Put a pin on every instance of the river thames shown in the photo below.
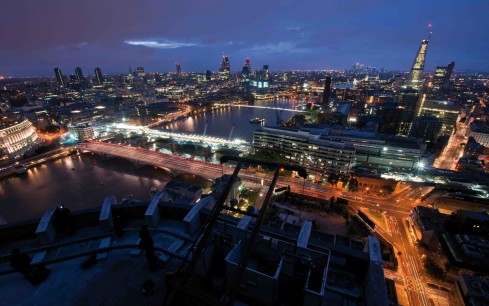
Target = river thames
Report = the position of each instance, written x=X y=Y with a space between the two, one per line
x=78 y=182
x=82 y=182
x=220 y=122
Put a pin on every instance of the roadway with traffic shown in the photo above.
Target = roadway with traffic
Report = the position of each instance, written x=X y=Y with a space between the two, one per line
x=453 y=150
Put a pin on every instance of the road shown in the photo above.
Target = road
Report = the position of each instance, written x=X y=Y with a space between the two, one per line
x=172 y=116
x=453 y=151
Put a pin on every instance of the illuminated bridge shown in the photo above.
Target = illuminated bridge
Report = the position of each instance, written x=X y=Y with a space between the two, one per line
x=169 y=162
x=264 y=107
x=174 y=163
x=214 y=142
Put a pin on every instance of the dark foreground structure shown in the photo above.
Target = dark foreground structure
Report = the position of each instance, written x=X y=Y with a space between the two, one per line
x=204 y=257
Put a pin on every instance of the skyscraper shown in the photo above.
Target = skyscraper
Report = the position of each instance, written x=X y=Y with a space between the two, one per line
x=208 y=75
x=98 y=75
x=426 y=128
x=327 y=90
x=179 y=69
x=407 y=101
x=265 y=73
x=441 y=80
x=59 y=77
x=246 y=71
x=225 y=70
x=79 y=75
x=139 y=71
x=415 y=78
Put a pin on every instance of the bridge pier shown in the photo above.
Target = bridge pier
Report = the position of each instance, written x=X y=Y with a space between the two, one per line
x=106 y=156
x=138 y=165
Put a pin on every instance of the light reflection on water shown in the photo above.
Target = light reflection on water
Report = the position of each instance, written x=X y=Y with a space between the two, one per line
x=91 y=180
x=26 y=197
x=220 y=122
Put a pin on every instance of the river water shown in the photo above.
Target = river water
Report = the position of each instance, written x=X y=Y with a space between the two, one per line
x=78 y=182
x=220 y=122
x=82 y=182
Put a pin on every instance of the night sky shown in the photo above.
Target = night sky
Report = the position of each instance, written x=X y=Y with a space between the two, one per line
x=38 y=35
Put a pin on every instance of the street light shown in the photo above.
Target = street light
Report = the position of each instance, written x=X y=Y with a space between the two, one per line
x=420 y=165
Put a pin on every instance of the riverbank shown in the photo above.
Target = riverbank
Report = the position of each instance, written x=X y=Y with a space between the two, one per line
x=37 y=160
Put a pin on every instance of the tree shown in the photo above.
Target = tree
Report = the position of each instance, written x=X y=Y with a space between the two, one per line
x=388 y=189
x=333 y=179
x=353 y=184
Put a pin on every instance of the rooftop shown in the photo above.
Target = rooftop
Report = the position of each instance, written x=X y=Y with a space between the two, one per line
x=117 y=276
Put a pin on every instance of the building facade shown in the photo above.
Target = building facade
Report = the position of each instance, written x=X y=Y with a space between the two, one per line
x=407 y=101
x=225 y=71
x=480 y=133
x=326 y=151
x=17 y=137
x=82 y=131
x=441 y=79
x=321 y=157
x=99 y=76
x=445 y=111
x=59 y=77
x=415 y=78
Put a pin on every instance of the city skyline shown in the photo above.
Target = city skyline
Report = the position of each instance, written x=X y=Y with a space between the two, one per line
x=285 y=35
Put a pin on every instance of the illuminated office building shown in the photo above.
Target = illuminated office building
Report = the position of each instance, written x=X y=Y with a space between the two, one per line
x=441 y=80
x=406 y=106
x=246 y=71
x=140 y=72
x=59 y=77
x=320 y=156
x=179 y=69
x=327 y=90
x=445 y=111
x=79 y=75
x=225 y=71
x=265 y=73
x=415 y=78
x=98 y=75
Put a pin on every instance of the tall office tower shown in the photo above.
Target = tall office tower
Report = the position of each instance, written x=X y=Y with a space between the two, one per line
x=388 y=114
x=73 y=82
x=140 y=71
x=179 y=69
x=79 y=75
x=225 y=70
x=415 y=78
x=59 y=77
x=407 y=104
x=246 y=71
x=98 y=75
x=441 y=80
x=265 y=73
x=327 y=90
x=208 y=75
x=426 y=128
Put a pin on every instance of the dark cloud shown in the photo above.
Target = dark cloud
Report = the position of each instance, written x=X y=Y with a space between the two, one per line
x=37 y=35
